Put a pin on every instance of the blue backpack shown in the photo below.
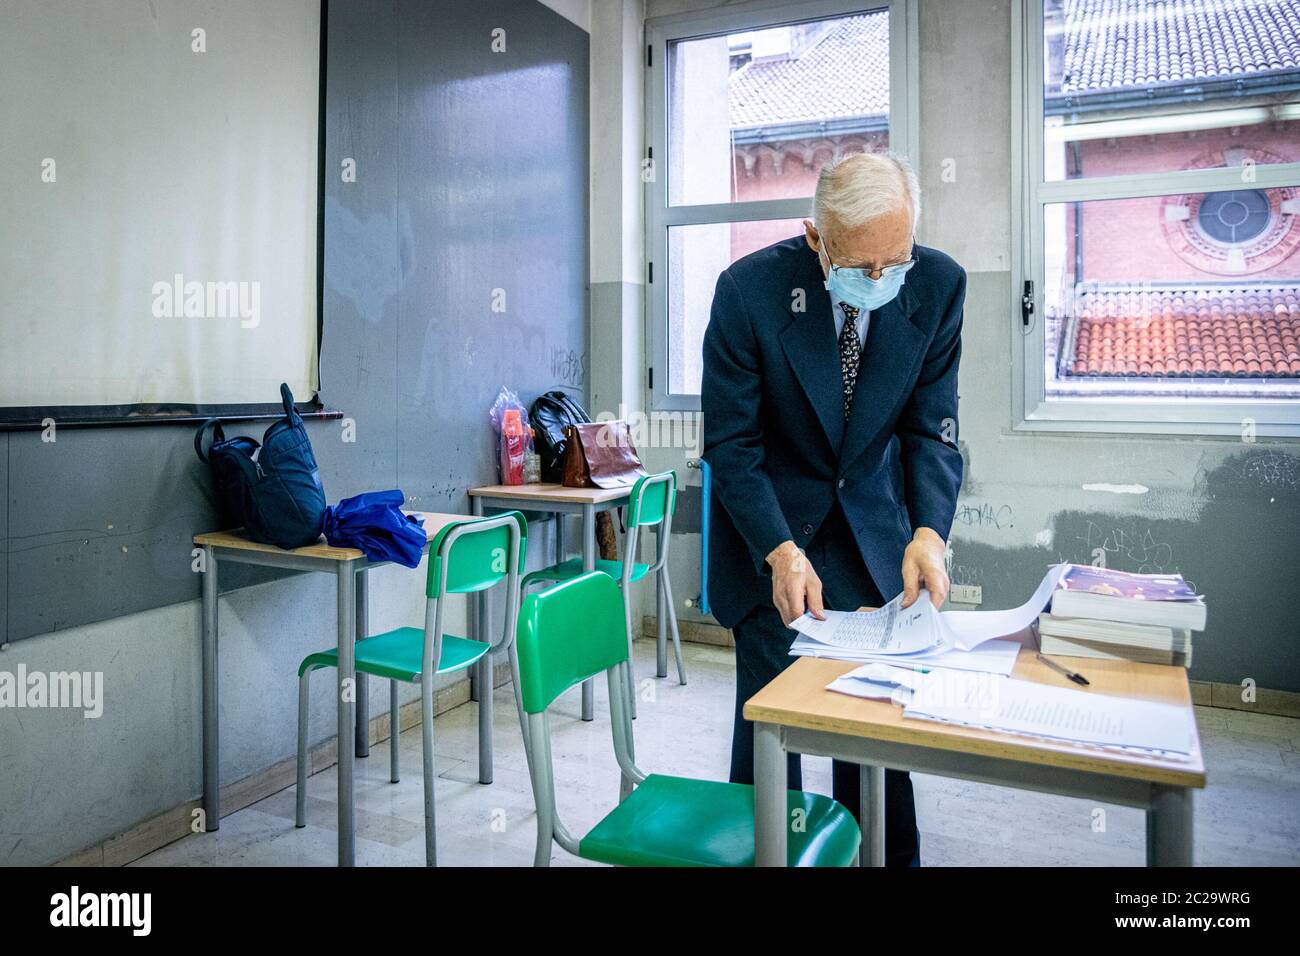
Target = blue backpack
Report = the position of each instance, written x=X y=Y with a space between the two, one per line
x=273 y=491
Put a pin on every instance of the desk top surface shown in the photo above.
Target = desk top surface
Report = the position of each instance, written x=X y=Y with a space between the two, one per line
x=552 y=492
x=799 y=698
x=433 y=523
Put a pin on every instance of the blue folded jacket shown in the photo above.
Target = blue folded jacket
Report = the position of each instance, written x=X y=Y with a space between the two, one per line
x=373 y=522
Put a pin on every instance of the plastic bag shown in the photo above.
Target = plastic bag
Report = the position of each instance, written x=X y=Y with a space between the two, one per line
x=510 y=421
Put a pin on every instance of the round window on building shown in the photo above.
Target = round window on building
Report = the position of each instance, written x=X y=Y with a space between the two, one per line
x=1234 y=217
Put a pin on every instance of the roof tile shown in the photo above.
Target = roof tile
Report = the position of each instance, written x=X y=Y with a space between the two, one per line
x=1126 y=43
x=1208 y=331
x=844 y=74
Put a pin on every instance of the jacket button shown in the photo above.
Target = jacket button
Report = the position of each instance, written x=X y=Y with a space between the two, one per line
x=840 y=483
x=807 y=529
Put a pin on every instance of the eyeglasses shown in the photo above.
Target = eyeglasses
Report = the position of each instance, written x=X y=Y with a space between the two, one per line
x=894 y=268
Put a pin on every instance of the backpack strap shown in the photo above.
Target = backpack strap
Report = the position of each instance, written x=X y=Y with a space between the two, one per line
x=286 y=397
x=218 y=435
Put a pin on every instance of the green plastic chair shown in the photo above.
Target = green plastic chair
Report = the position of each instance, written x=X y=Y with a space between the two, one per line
x=650 y=504
x=464 y=557
x=570 y=633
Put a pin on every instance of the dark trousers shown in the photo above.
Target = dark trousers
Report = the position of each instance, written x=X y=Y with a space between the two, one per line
x=763 y=651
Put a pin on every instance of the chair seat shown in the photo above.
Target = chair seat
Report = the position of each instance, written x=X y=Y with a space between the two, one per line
x=399 y=654
x=572 y=568
x=678 y=821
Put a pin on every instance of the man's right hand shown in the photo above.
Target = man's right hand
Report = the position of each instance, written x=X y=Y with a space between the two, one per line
x=795 y=585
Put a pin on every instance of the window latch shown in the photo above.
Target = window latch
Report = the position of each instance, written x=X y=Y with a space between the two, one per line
x=1027 y=303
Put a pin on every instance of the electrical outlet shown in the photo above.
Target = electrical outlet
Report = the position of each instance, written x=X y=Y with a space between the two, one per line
x=966 y=594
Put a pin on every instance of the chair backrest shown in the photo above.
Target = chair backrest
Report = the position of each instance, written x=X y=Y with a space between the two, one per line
x=566 y=634
x=652 y=499
x=473 y=558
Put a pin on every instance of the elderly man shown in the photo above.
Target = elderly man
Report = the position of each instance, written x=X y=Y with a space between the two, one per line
x=830 y=421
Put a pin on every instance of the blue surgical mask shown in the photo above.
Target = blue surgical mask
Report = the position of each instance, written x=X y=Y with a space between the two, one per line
x=856 y=287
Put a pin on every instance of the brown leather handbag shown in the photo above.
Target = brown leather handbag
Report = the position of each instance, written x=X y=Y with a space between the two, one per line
x=601 y=455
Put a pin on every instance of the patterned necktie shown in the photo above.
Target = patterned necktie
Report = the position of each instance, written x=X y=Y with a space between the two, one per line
x=850 y=352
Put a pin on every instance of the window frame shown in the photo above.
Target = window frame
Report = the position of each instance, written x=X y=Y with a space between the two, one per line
x=1032 y=410
x=660 y=216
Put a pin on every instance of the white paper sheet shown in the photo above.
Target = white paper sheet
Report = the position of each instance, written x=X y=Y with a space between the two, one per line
x=891 y=629
x=967 y=629
x=1056 y=713
x=920 y=629
x=993 y=657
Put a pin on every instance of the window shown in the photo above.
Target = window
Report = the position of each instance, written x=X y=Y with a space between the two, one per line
x=1159 y=249
x=745 y=105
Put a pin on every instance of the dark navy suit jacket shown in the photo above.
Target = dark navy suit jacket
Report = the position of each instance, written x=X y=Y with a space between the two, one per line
x=774 y=429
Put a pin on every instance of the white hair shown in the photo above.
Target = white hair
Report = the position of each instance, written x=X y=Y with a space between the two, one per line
x=857 y=189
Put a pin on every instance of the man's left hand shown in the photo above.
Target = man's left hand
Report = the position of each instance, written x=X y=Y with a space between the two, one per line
x=923 y=567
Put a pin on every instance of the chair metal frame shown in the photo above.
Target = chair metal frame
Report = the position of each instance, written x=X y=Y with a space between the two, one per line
x=434 y=630
x=542 y=767
x=665 y=608
x=663 y=586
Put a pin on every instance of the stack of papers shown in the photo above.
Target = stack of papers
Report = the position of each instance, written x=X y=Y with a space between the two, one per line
x=1058 y=714
x=919 y=636
x=1024 y=708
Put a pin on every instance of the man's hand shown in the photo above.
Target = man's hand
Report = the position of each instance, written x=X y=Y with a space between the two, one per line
x=795 y=585
x=923 y=567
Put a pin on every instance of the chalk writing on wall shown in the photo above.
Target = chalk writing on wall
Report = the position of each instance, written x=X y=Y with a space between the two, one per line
x=569 y=367
x=1272 y=469
x=984 y=515
x=1127 y=549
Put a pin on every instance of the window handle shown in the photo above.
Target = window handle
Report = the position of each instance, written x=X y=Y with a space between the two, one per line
x=1027 y=303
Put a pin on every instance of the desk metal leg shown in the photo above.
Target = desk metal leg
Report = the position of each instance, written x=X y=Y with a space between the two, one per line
x=478 y=623
x=661 y=612
x=363 y=689
x=588 y=564
x=347 y=626
x=769 y=796
x=211 y=713
x=872 y=815
x=1169 y=827
x=480 y=675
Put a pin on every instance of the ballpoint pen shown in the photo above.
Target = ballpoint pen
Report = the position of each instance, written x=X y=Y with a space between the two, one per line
x=1077 y=678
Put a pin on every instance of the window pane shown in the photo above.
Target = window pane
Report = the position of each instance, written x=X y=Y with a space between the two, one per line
x=696 y=257
x=1194 y=295
x=1135 y=86
x=756 y=115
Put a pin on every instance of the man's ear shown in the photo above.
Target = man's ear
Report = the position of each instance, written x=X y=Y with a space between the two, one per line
x=811 y=234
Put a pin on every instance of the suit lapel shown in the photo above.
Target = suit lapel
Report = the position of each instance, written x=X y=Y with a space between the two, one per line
x=893 y=342
x=810 y=347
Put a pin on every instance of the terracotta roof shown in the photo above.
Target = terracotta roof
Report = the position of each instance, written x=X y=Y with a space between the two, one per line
x=845 y=74
x=1126 y=43
x=1206 y=331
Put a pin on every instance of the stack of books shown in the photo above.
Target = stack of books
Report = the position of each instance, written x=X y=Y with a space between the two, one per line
x=1096 y=612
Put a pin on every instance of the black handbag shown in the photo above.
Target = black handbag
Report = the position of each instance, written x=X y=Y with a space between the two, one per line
x=550 y=415
x=273 y=491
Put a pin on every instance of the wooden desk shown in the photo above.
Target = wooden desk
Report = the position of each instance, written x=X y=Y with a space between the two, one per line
x=559 y=500
x=795 y=713
x=348 y=566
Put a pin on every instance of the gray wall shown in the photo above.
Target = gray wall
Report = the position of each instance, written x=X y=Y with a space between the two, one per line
x=1224 y=513
x=471 y=177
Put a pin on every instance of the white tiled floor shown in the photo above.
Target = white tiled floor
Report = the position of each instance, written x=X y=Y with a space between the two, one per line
x=1248 y=815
